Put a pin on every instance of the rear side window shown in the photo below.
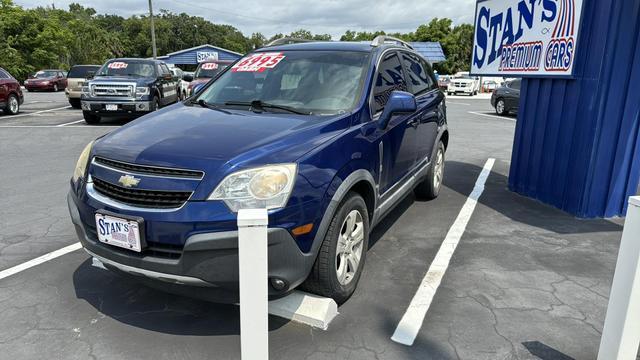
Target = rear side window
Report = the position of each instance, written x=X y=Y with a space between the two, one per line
x=515 y=84
x=418 y=73
x=388 y=79
x=3 y=74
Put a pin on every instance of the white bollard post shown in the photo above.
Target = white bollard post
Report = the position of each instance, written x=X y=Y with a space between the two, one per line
x=621 y=333
x=254 y=292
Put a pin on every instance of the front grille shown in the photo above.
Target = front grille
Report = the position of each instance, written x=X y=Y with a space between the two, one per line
x=142 y=198
x=460 y=84
x=152 y=170
x=113 y=90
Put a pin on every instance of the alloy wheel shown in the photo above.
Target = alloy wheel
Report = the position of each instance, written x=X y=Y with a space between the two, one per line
x=439 y=169
x=350 y=247
x=500 y=107
x=13 y=105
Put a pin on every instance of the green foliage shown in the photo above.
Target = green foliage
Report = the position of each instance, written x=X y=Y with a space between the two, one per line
x=44 y=37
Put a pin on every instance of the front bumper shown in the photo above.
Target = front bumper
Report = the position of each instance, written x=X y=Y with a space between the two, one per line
x=205 y=267
x=32 y=87
x=124 y=107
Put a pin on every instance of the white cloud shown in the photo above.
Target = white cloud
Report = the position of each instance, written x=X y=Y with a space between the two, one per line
x=330 y=16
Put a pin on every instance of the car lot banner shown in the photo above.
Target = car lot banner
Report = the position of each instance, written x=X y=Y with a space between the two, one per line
x=206 y=55
x=526 y=38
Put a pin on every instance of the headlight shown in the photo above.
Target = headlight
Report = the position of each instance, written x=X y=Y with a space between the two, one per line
x=85 y=90
x=266 y=187
x=45 y=83
x=81 y=165
x=142 y=91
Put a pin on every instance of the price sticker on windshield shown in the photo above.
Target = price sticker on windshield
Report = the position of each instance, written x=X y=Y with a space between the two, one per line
x=117 y=65
x=258 y=62
x=209 y=66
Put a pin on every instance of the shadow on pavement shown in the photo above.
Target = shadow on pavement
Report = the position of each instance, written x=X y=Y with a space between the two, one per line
x=519 y=208
x=544 y=352
x=134 y=304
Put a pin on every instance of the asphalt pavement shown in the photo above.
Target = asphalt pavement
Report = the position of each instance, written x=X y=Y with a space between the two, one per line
x=527 y=281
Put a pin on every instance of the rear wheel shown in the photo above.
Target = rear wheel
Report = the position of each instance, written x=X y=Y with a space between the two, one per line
x=429 y=188
x=13 y=105
x=75 y=103
x=342 y=255
x=90 y=118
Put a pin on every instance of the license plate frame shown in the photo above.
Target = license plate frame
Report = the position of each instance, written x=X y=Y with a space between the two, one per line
x=137 y=245
x=111 y=107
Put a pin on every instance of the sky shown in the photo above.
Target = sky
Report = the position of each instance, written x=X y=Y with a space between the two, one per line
x=321 y=16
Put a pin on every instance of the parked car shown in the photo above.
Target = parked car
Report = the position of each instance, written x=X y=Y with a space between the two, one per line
x=46 y=80
x=463 y=83
x=506 y=98
x=178 y=74
x=77 y=77
x=205 y=72
x=128 y=87
x=443 y=82
x=328 y=136
x=11 y=96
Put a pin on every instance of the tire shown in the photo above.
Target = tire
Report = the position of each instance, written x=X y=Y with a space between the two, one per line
x=89 y=118
x=13 y=105
x=55 y=87
x=429 y=188
x=501 y=107
x=325 y=279
x=75 y=103
x=155 y=104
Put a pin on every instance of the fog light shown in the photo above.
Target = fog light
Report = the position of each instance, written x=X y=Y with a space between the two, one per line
x=278 y=284
x=140 y=106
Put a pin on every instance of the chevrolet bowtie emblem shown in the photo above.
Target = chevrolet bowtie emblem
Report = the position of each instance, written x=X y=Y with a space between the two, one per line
x=128 y=181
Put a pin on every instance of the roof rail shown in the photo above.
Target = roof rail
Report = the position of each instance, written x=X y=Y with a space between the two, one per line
x=384 y=39
x=287 y=40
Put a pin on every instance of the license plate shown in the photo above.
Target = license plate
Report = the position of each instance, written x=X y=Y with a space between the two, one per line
x=111 y=107
x=119 y=232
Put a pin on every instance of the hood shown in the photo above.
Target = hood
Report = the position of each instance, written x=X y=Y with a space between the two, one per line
x=140 y=81
x=41 y=79
x=193 y=137
x=199 y=81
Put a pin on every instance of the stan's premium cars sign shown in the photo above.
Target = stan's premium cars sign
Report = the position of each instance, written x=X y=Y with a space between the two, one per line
x=525 y=37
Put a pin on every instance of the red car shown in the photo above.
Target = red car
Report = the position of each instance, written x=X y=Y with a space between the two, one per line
x=205 y=72
x=10 y=93
x=49 y=80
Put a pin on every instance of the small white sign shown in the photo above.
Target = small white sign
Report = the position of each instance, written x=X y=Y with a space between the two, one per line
x=526 y=37
x=206 y=55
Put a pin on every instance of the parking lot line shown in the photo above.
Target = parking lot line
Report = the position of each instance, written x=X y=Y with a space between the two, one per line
x=492 y=116
x=72 y=122
x=36 y=112
x=458 y=103
x=412 y=320
x=39 y=260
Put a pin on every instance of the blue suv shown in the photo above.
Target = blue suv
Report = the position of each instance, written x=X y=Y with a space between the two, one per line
x=328 y=136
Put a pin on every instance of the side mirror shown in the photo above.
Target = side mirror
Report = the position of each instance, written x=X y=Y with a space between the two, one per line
x=197 y=88
x=400 y=102
x=187 y=77
x=90 y=75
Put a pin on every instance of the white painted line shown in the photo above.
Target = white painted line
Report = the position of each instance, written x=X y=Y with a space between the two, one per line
x=413 y=318
x=72 y=122
x=313 y=310
x=35 y=113
x=491 y=116
x=39 y=260
x=457 y=103
x=57 y=126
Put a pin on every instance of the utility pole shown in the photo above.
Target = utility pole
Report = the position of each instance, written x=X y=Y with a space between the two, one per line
x=153 y=31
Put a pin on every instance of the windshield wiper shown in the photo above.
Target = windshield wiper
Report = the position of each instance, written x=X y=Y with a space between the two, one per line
x=207 y=105
x=260 y=106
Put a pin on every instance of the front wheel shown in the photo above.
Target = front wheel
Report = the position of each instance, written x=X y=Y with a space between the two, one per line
x=342 y=255
x=89 y=118
x=55 y=87
x=13 y=105
x=75 y=103
x=429 y=188
x=501 y=109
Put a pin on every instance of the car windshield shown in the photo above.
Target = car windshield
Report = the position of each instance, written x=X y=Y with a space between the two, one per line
x=209 y=70
x=45 y=74
x=127 y=68
x=313 y=82
x=80 y=72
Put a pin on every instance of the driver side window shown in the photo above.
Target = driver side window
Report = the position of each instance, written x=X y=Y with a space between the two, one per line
x=388 y=79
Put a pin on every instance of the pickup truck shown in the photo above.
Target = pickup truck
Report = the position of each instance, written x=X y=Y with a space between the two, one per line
x=128 y=87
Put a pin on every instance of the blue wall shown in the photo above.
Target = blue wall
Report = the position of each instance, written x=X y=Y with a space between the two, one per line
x=577 y=143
